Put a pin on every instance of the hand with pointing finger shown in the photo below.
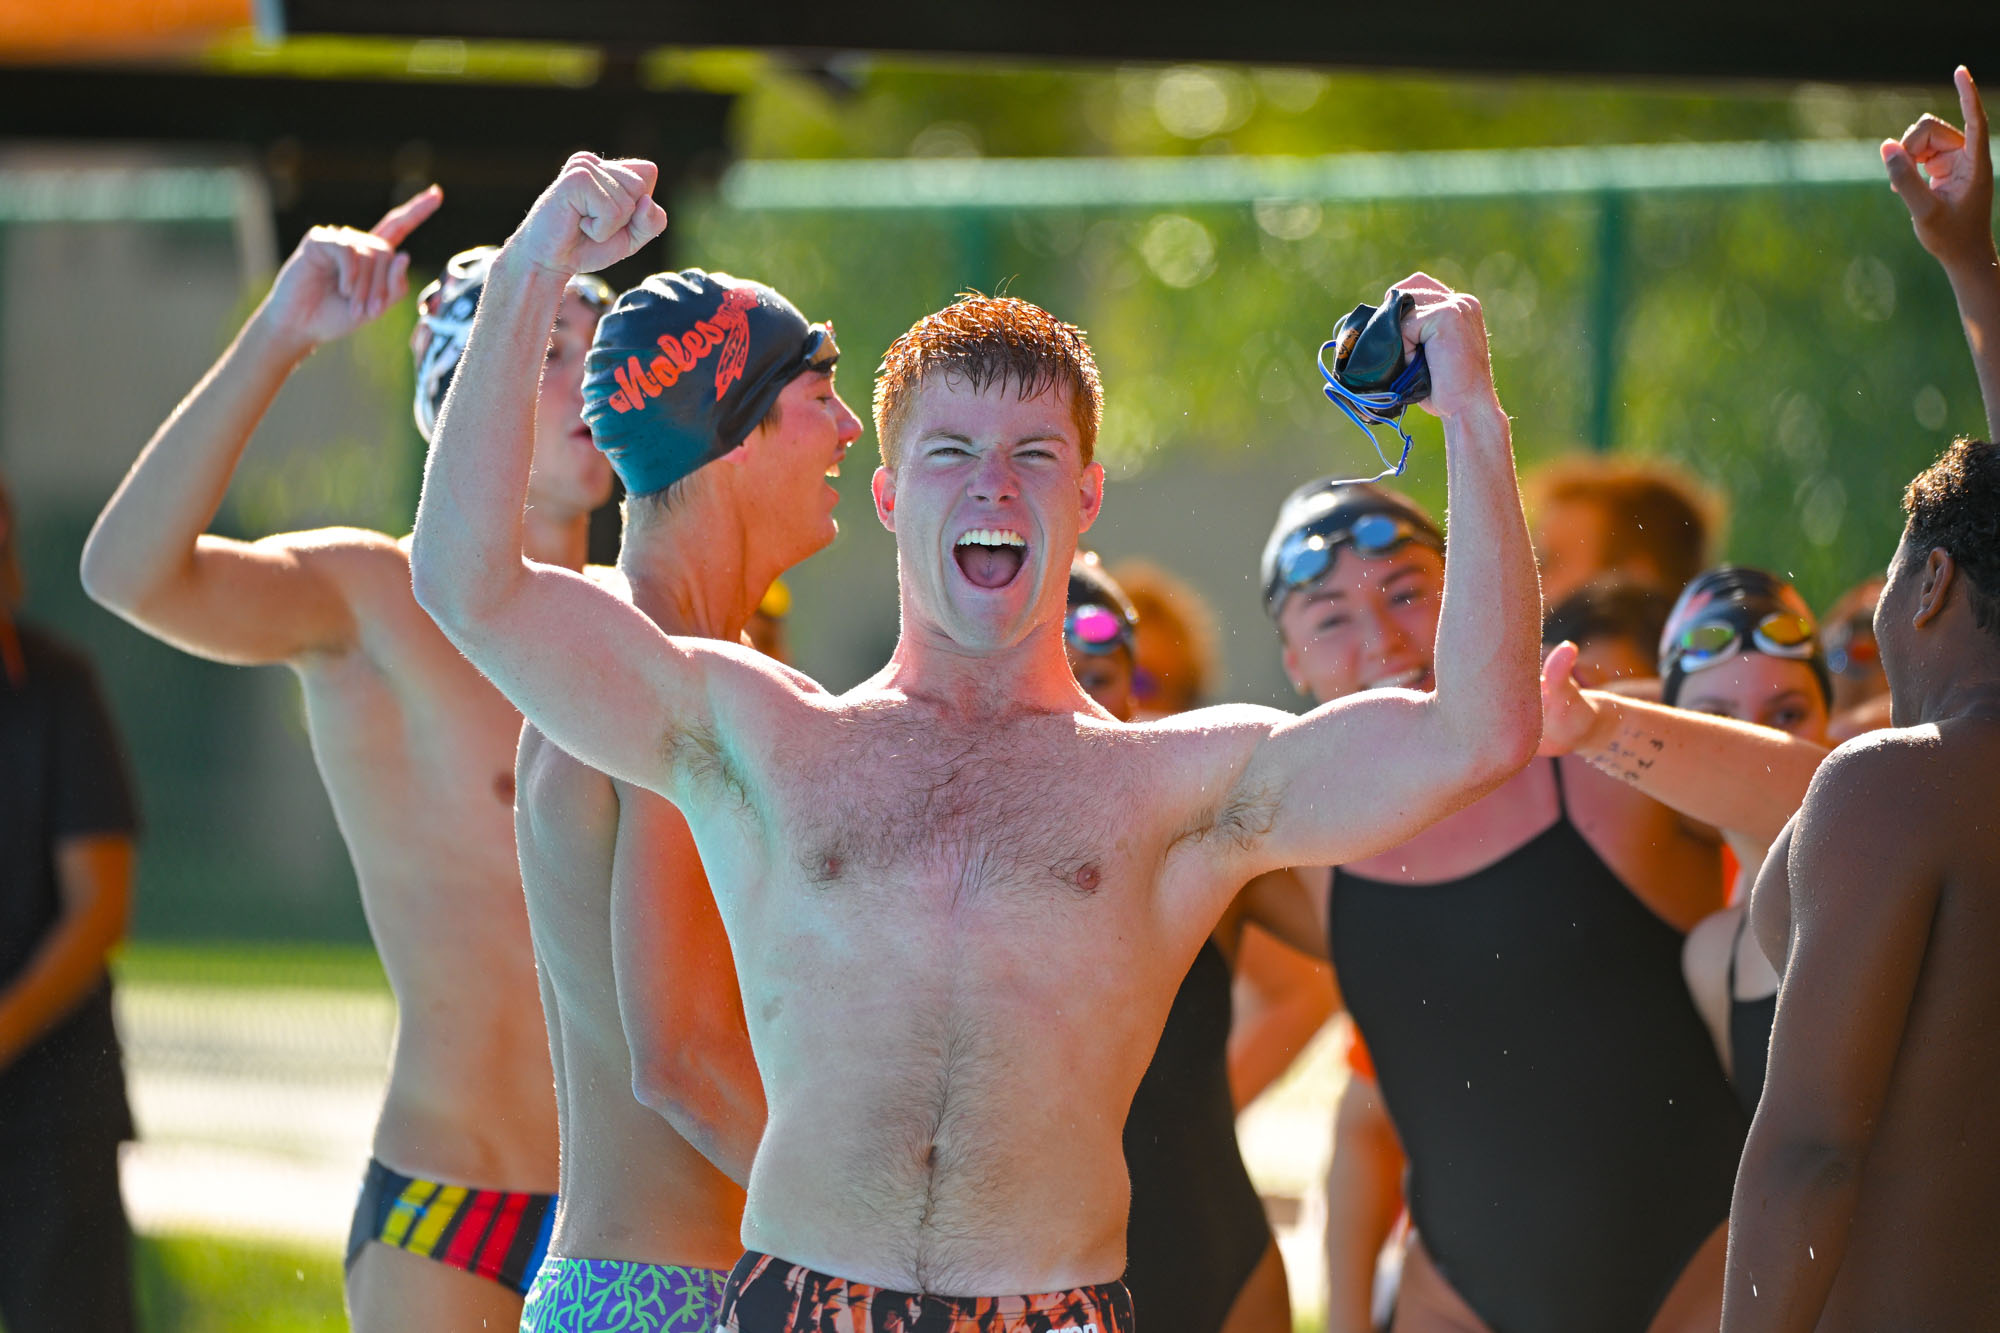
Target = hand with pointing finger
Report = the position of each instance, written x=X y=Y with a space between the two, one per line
x=1944 y=176
x=596 y=213
x=340 y=278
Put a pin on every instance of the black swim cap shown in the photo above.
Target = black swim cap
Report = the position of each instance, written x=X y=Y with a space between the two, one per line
x=1320 y=516
x=445 y=309
x=1738 y=608
x=685 y=366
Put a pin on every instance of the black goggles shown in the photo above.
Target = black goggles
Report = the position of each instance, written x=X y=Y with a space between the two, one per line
x=1706 y=642
x=1305 y=555
x=1095 y=630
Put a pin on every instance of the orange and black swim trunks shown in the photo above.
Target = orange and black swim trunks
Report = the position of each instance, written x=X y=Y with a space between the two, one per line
x=769 y=1295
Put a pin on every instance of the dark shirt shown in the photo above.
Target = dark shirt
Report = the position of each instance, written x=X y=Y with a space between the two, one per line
x=62 y=775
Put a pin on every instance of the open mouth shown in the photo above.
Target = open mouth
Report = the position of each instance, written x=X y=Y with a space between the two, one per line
x=990 y=557
x=1416 y=678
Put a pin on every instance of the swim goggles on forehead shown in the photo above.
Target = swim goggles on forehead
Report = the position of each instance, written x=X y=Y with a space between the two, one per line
x=1370 y=380
x=1096 y=630
x=1717 y=638
x=1306 y=554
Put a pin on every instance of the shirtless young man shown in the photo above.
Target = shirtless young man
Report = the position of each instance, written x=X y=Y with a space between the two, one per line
x=1866 y=1196
x=725 y=476
x=416 y=751
x=960 y=897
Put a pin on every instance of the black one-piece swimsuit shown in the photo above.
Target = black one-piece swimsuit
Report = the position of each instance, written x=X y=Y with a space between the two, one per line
x=1572 y=1139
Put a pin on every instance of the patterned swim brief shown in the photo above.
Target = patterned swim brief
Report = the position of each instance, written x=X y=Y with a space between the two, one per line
x=767 y=1295
x=619 y=1296
x=494 y=1234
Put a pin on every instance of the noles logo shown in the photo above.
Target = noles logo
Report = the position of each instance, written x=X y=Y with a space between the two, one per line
x=728 y=328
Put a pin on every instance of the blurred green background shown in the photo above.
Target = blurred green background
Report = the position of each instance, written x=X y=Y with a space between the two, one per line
x=1791 y=345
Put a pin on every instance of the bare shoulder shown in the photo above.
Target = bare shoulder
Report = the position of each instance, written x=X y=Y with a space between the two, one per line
x=1876 y=782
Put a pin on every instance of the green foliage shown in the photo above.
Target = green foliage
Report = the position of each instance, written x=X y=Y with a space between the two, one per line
x=205 y=1284
x=1795 y=348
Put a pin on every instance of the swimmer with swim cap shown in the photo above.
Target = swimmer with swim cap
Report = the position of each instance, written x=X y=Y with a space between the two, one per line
x=416 y=749
x=714 y=399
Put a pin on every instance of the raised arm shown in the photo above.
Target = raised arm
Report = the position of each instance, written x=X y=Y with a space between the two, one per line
x=1945 y=177
x=1366 y=772
x=587 y=668
x=150 y=558
x=1862 y=905
x=1744 y=779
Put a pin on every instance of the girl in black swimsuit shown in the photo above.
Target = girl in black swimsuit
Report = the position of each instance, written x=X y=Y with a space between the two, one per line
x=1741 y=643
x=1571 y=1139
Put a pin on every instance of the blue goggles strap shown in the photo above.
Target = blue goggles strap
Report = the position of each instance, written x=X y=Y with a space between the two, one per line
x=1369 y=410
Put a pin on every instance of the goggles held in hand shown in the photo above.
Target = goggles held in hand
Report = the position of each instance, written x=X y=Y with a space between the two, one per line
x=1370 y=379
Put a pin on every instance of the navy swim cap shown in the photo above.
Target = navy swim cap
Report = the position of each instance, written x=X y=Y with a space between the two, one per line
x=685 y=366
x=445 y=310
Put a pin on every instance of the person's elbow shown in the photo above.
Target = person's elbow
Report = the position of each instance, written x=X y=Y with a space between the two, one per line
x=458 y=600
x=1498 y=739
x=117 y=586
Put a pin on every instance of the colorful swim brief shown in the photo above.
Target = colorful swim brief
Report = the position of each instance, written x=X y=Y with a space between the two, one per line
x=491 y=1233
x=767 y=1295
x=619 y=1296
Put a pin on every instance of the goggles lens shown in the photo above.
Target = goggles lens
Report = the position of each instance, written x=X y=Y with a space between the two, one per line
x=1307 y=555
x=1094 y=629
x=1780 y=634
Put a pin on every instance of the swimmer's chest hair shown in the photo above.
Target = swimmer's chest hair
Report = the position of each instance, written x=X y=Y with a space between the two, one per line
x=1039 y=810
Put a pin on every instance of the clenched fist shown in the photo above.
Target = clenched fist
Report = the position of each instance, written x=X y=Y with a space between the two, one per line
x=594 y=214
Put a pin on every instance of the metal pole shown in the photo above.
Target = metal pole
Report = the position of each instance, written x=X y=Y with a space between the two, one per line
x=1607 y=311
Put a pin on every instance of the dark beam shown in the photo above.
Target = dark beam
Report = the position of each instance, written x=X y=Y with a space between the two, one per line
x=1832 y=40
x=337 y=151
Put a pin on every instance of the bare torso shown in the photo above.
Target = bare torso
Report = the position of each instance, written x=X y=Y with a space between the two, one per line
x=416 y=750
x=1926 y=1223
x=632 y=1188
x=958 y=942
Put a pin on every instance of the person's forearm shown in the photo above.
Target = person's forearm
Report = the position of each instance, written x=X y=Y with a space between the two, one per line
x=1975 y=282
x=146 y=536
x=467 y=553
x=1489 y=627
x=59 y=975
x=1746 y=779
x=1282 y=1001
x=1788 y=1226
x=1364 y=1196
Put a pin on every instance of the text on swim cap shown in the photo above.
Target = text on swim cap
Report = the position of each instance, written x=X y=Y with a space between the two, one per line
x=729 y=327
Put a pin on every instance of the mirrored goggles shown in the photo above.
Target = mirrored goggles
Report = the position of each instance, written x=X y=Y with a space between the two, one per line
x=1850 y=646
x=1780 y=634
x=1307 y=554
x=1095 y=630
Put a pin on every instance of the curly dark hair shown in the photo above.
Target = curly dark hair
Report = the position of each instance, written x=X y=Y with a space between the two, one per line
x=1955 y=504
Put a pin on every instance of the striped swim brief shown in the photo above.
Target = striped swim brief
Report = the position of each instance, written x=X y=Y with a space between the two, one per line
x=491 y=1233
x=768 y=1295
x=620 y=1296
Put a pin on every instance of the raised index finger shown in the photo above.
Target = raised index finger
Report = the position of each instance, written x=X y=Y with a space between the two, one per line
x=1975 y=114
x=404 y=218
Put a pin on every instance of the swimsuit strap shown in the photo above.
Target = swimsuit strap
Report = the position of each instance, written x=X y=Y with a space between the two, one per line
x=1736 y=943
x=1562 y=801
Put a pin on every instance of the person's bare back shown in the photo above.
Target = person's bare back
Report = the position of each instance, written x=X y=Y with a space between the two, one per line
x=416 y=750
x=1869 y=1194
